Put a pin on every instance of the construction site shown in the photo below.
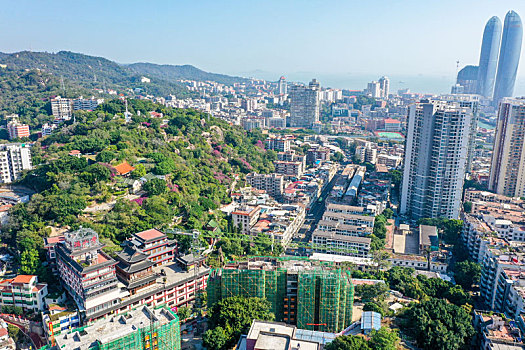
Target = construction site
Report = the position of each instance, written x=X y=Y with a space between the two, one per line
x=308 y=294
x=140 y=329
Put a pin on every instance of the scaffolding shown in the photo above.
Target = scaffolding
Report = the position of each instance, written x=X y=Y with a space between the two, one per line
x=150 y=337
x=323 y=298
x=264 y=284
x=308 y=299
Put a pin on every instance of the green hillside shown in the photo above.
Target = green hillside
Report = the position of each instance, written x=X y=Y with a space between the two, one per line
x=173 y=73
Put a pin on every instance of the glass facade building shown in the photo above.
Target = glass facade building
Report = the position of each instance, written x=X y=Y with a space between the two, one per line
x=488 y=59
x=509 y=56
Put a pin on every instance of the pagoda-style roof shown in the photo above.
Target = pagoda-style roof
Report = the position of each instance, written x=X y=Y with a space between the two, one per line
x=131 y=255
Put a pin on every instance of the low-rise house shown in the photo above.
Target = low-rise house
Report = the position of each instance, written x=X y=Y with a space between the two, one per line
x=23 y=291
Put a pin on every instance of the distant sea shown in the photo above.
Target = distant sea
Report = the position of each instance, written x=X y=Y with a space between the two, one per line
x=416 y=83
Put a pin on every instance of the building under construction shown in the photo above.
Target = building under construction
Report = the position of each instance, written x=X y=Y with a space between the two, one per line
x=305 y=293
x=140 y=329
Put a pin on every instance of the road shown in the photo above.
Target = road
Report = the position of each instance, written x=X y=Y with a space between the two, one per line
x=314 y=215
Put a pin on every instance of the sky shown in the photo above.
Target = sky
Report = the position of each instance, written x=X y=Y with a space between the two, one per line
x=342 y=43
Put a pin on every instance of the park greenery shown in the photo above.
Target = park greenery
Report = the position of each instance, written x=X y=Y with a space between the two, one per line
x=383 y=339
x=380 y=229
x=438 y=325
x=193 y=161
x=231 y=317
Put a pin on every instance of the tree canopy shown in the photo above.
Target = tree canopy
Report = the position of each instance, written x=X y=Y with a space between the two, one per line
x=231 y=317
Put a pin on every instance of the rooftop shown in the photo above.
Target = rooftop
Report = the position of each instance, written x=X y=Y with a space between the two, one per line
x=109 y=329
x=124 y=168
x=150 y=235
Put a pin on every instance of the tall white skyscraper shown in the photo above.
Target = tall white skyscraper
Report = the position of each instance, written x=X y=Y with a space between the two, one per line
x=384 y=86
x=304 y=107
x=435 y=158
x=470 y=101
x=507 y=171
x=283 y=88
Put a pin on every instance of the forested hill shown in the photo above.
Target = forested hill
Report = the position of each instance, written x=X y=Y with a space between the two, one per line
x=90 y=72
x=198 y=158
x=98 y=72
x=173 y=73
x=27 y=93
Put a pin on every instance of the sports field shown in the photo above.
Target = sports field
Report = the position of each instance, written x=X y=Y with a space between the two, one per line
x=396 y=136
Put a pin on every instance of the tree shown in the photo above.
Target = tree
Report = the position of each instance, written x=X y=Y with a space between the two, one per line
x=13 y=331
x=451 y=230
x=436 y=324
x=337 y=157
x=105 y=156
x=217 y=338
x=467 y=273
x=348 y=342
x=29 y=262
x=369 y=292
x=388 y=213
x=467 y=207
x=140 y=171
x=384 y=339
x=155 y=187
x=235 y=316
x=184 y=313
x=373 y=306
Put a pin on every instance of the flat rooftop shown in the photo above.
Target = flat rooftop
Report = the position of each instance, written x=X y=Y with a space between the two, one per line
x=109 y=329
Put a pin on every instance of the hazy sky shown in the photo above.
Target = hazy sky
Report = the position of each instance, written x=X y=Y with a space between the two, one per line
x=335 y=39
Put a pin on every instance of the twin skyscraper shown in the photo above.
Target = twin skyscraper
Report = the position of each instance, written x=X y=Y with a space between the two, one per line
x=495 y=76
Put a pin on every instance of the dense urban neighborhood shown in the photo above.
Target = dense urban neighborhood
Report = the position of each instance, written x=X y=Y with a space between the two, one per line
x=148 y=206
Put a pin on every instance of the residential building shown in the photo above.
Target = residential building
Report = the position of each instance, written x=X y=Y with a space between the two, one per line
x=435 y=159
x=61 y=108
x=246 y=217
x=47 y=129
x=273 y=184
x=23 y=291
x=291 y=169
x=154 y=244
x=488 y=58
x=281 y=336
x=315 y=154
x=279 y=143
x=428 y=239
x=86 y=103
x=374 y=89
x=14 y=158
x=389 y=161
x=16 y=129
x=509 y=56
x=502 y=283
x=58 y=320
x=304 y=105
x=144 y=328
x=305 y=293
x=384 y=86
x=468 y=101
x=507 y=171
x=341 y=240
x=349 y=219
x=87 y=273
x=496 y=332
x=366 y=154
x=280 y=222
